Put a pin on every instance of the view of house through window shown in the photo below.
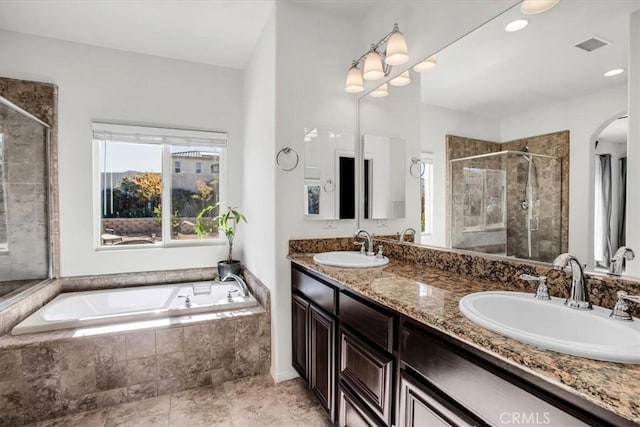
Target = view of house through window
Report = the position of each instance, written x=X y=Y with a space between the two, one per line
x=426 y=194
x=154 y=182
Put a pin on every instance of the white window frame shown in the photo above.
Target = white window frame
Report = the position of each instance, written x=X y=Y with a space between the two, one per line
x=166 y=137
x=427 y=159
x=198 y=167
x=177 y=166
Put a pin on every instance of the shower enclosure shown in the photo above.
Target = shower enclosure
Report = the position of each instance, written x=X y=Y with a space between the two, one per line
x=507 y=203
x=24 y=188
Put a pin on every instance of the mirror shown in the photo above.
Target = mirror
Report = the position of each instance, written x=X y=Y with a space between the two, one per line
x=384 y=177
x=507 y=129
x=329 y=174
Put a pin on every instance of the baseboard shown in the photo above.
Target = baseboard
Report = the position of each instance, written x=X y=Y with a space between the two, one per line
x=289 y=374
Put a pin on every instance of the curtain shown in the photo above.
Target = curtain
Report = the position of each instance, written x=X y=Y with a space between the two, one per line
x=622 y=212
x=602 y=217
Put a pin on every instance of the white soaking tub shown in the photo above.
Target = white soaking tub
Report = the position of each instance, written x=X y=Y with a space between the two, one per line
x=92 y=308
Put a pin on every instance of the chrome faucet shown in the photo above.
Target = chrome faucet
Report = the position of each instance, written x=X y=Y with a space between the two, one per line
x=357 y=234
x=616 y=267
x=244 y=290
x=579 y=294
x=621 y=311
x=408 y=230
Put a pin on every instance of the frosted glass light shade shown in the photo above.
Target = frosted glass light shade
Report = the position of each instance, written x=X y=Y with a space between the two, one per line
x=533 y=7
x=373 y=69
x=354 y=82
x=427 y=65
x=397 y=51
x=380 y=91
x=402 y=80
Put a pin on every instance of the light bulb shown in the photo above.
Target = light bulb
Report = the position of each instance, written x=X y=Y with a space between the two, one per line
x=373 y=69
x=380 y=91
x=533 y=7
x=354 y=82
x=427 y=65
x=401 y=80
x=397 y=51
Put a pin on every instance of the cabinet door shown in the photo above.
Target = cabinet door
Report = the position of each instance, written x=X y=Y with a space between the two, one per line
x=419 y=407
x=322 y=350
x=352 y=415
x=368 y=372
x=300 y=335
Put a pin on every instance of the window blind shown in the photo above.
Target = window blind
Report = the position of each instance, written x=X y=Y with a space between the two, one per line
x=110 y=132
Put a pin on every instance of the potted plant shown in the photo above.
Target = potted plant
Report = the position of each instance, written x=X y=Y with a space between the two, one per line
x=227 y=223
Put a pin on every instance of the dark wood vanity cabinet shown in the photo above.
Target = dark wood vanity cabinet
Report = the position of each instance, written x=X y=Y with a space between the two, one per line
x=371 y=366
x=314 y=336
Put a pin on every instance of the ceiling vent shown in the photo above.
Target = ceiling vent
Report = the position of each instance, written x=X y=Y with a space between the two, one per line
x=592 y=44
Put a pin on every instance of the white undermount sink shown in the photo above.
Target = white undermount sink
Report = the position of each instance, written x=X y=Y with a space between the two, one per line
x=553 y=326
x=350 y=259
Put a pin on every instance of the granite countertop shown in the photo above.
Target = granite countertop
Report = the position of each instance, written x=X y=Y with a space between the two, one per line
x=431 y=296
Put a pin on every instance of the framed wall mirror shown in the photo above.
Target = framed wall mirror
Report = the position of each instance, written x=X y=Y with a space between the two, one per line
x=507 y=127
x=329 y=174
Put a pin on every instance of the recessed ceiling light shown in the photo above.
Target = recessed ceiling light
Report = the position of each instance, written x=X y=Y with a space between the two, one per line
x=533 y=7
x=516 y=25
x=612 y=73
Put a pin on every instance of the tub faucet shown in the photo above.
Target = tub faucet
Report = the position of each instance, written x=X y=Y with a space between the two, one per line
x=579 y=294
x=618 y=261
x=408 y=230
x=244 y=290
x=369 y=240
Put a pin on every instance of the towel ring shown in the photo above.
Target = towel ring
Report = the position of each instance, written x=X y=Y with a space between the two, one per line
x=415 y=162
x=286 y=151
x=329 y=186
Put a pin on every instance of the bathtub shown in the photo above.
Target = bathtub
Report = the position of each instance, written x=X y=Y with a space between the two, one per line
x=92 y=308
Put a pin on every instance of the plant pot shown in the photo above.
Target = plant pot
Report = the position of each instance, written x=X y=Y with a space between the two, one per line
x=225 y=268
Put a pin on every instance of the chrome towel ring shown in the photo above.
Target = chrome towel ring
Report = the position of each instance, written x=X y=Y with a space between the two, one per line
x=286 y=151
x=415 y=162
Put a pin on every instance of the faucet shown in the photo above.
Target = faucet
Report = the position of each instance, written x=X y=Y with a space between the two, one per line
x=579 y=294
x=407 y=230
x=357 y=234
x=244 y=290
x=621 y=311
x=618 y=261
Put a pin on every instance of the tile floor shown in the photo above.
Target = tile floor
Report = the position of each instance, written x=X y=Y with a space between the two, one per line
x=251 y=402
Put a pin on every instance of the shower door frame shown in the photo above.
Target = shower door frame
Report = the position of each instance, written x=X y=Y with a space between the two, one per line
x=480 y=156
x=17 y=294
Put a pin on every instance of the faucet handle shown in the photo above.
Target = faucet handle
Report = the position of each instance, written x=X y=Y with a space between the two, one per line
x=361 y=244
x=621 y=308
x=379 y=254
x=542 y=292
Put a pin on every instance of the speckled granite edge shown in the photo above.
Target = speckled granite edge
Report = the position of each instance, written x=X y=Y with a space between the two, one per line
x=431 y=296
x=602 y=288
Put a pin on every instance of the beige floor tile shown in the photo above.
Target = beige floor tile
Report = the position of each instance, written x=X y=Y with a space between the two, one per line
x=140 y=413
x=84 y=419
x=200 y=407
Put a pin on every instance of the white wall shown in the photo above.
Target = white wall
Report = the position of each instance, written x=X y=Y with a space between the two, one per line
x=633 y=146
x=436 y=124
x=259 y=173
x=114 y=86
x=584 y=117
x=312 y=58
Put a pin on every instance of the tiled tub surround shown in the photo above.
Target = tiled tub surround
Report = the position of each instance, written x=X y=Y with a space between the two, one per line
x=426 y=284
x=48 y=375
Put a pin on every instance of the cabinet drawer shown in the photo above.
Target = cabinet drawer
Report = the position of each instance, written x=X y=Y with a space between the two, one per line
x=320 y=293
x=352 y=414
x=368 y=321
x=469 y=384
x=368 y=372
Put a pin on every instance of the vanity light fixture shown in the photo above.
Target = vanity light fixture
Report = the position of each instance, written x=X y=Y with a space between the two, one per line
x=401 y=80
x=516 y=25
x=381 y=91
x=533 y=7
x=612 y=73
x=377 y=63
x=428 y=64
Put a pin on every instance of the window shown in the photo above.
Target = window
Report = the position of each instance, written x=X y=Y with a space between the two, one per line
x=140 y=198
x=426 y=194
x=215 y=169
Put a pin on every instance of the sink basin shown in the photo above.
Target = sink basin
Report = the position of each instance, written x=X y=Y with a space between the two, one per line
x=551 y=325
x=349 y=259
